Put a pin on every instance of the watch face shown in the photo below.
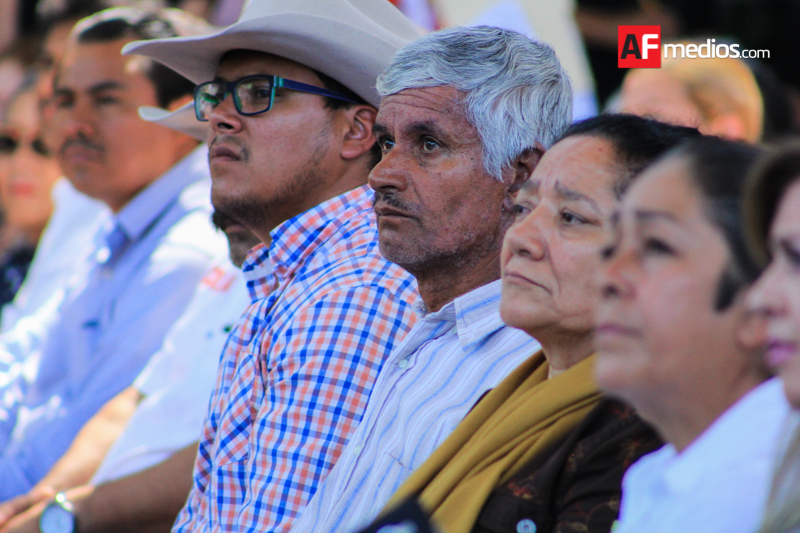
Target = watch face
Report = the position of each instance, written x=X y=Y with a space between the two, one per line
x=56 y=519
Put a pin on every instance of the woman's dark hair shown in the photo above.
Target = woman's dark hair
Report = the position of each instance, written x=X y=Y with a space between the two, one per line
x=139 y=24
x=719 y=169
x=763 y=194
x=638 y=141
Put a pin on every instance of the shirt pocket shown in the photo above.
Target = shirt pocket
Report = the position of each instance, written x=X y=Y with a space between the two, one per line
x=232 y=444
x=233 y=437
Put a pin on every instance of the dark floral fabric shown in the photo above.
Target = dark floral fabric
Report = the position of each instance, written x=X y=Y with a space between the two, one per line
x=576 y=488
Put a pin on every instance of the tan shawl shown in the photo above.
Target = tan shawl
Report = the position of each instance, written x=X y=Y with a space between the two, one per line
x=525 y=416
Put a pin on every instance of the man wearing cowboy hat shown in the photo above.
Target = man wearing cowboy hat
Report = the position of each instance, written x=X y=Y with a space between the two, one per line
x=289 y=94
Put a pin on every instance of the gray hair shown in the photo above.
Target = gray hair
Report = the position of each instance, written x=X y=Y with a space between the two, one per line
x=517 y=94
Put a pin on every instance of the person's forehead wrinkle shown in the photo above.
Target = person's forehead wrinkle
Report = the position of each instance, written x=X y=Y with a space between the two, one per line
x=574 y=196
x=433 y=101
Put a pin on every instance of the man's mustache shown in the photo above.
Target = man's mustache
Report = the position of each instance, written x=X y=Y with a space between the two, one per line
x=81 y=141
x=392 y=200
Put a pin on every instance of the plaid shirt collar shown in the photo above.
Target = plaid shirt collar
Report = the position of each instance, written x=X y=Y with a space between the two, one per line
x=293 y=241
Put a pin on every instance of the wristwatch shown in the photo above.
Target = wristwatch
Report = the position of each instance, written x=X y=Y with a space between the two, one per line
x=58 y=516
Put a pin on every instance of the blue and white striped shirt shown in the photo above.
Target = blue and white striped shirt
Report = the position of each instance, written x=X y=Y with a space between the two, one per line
x=444 y=365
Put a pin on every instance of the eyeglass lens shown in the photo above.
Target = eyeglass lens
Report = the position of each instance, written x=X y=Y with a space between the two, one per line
x=251 y=95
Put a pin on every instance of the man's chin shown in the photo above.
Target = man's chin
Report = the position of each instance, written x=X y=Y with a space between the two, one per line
x=83 y=181
x=244 y=210
x=393 y=250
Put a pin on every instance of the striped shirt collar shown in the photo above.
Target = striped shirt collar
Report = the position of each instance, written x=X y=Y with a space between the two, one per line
x=475 y=314
x=296 y=239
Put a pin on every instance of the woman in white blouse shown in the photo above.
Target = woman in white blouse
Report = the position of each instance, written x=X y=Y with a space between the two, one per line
x=676 y=340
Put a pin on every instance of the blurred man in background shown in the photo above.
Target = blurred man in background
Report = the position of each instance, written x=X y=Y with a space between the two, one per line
x=72 y=356
x=75 y=216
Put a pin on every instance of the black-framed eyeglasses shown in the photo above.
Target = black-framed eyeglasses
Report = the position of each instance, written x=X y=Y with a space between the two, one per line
x=10 y=144
x=251 y=95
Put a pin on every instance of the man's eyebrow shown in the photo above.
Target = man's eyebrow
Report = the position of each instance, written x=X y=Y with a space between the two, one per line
x=423 y=128
x=105 y=86
x=573 y=195
x=415 y=128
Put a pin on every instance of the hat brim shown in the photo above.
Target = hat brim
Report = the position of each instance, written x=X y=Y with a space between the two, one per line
x=182 y=119
x=353 y=55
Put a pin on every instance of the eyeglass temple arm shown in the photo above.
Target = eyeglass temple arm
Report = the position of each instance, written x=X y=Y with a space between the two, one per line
x=297 y=86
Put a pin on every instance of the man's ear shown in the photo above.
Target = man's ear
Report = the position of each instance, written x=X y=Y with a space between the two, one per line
x=523 y=167
x=358 y=138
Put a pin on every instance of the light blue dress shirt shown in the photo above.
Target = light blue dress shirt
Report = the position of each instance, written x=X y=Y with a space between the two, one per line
x=60 y=365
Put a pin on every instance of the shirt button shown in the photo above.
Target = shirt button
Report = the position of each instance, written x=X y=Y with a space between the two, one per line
x=526 y=526
x=403 y=363
x=358 y=448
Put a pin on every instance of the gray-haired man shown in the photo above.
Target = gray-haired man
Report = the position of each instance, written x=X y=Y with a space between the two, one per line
x=465 y=116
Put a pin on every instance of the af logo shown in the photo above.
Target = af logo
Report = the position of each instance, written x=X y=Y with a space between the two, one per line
x=639 y=46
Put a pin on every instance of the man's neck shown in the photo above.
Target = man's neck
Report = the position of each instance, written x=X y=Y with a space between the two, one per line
x=441 y=286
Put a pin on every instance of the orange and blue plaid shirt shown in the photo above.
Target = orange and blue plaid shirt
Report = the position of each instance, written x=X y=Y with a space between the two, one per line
x=296 y=373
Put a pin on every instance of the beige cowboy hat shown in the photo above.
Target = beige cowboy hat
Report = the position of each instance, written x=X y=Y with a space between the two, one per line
x=182 y=120
x=352 y=41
